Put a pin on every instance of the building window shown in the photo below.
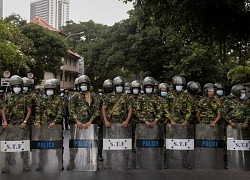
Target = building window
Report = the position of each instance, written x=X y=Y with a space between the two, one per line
x=61 y=75
x=66 y=77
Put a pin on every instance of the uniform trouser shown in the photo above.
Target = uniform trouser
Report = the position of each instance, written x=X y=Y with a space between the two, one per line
x=100 y=139
x=73 y=151
x=11 y=135
x=43 y=153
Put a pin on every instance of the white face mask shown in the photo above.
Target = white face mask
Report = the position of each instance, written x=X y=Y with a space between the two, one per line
x=119 y=89
x=100 y=94
x=178 y=88
x=17 y=90
x=243 y=96
x=127 y=91
x=25 y=89
x=219 y=92
x=49 y=92
x=149 y=90
x=62 y=94
x=135 y=91
x=84 y=88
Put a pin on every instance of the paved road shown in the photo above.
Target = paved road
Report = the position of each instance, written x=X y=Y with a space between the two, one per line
x=130 y=175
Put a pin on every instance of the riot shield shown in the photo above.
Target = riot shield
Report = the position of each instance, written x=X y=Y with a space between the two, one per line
x=47 y=148
x=209 y=144
x=84 y=148
x=15 y=149
x=238 y=148
x=149 y=146
x=180 y=146
x=117 y=147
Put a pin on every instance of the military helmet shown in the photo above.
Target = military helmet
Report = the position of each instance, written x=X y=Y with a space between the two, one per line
x=50 y=84
x=127 y=84
x=218 y=86
x=193 y=87
x=135 y=84
x=163 y=86
x=178 y=80
x=83 y=79
x=76 y=82
x=108 y=83
x=208 y=86
x=16 y=80
x=26 y=81
x=100 y=90
x=236 y=90
x=148 y=81
x=119 y=81
x=62 y=91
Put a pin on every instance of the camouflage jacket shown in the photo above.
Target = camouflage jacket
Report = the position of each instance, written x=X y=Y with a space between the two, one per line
x=179 y=107
x=148 y=107
x=119 y=113
x=48 y=110
x=193 y=101
x=16 y=105
x=84 y=107
x=208 y=108
x=237 y=111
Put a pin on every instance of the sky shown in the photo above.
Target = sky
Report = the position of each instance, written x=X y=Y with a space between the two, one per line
x=105 y=12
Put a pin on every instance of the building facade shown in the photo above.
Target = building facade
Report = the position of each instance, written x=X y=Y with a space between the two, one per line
x=1 y=8
x=54 y=12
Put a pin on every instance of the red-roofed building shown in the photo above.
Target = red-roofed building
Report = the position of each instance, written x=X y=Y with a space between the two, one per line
x=73 y=64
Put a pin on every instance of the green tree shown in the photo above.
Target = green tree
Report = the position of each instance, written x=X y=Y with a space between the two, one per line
x=14 y=49
x=50 y=48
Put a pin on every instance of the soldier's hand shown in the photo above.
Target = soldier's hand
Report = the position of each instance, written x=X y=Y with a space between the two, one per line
x=51 y=125
x=173 y=123
x=152 y=124
x=124 y=124
x=148 y=124
x=5 y=125
x=107 y=124
x=184 y=123
x=23 y=125
x=245 y=125
x=37 y=124
x=86 y=125
x=212 y=124
x=79 y=124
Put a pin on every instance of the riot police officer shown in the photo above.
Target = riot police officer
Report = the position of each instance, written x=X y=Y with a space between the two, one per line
x=16 y=111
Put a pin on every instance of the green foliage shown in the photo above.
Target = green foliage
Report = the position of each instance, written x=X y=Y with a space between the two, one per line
x=14 y=49
x=239 y=75
x=50 y=48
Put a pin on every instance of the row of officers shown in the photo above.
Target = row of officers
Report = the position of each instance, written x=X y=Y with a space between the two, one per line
x=176 y=106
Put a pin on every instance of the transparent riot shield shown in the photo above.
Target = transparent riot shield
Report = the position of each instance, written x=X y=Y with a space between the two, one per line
x=180 y=146
x=117 y=147
x=209 y=144
x=238 y=148
x=149 y=146
x=15 y=149
x=84 y=148
x=47 y=148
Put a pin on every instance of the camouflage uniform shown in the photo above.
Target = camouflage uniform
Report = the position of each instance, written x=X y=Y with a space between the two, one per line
x=208 y=108
x=16 y=105
x=83 y=107
x=179 y=108
x=119 y=114
x=148 y=108
x=237 y=111
x=49 y=110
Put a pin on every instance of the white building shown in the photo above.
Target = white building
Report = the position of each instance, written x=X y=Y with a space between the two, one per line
x=1 y=8
x=54 y=12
